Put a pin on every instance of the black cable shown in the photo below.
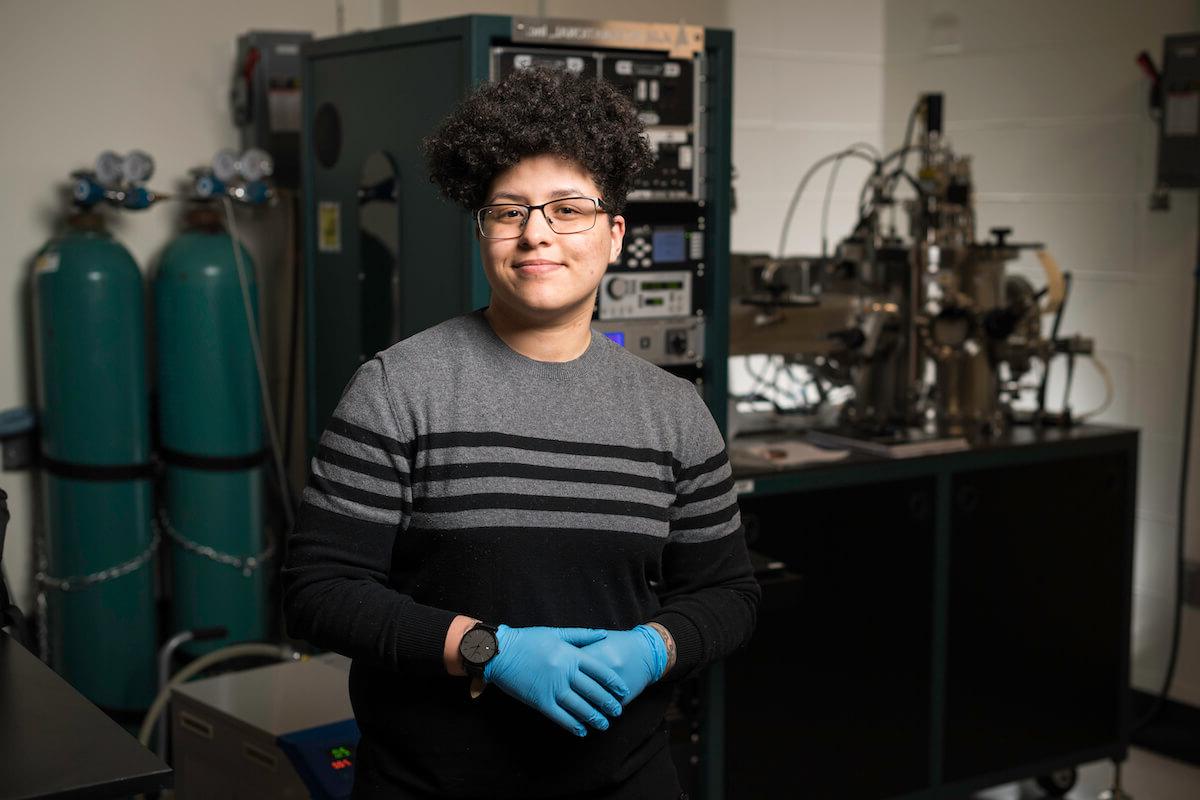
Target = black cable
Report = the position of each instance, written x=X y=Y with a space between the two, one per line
x=774 y=384
x=886 y=186
x=800 y=395
x=909 y=129
x=759 y=380
x=796 y=395
x=1066 y=403
x=1181 y=528
x=1058 y=317
x=900 y=152
x=294 y=335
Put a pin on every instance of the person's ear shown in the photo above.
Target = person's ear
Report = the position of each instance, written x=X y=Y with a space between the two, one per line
x=617 y=232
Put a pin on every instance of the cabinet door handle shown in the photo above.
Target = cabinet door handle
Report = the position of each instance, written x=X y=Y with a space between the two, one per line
x=195 y=725
x=260 y=757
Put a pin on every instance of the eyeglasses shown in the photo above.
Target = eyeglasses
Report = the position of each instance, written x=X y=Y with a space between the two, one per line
x=565 y=215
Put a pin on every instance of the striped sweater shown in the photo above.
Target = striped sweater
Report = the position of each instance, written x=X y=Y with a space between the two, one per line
x=460 y=477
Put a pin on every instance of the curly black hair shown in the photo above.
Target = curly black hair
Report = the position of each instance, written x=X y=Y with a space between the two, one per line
x=535 y=112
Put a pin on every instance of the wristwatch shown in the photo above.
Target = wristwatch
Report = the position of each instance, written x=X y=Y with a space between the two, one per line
x=479 y=645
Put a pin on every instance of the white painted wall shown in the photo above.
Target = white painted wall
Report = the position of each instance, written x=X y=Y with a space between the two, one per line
x=808 y=82
x=1047 y=99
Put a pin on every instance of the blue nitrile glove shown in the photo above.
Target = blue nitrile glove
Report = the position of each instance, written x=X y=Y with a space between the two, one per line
x=639 y=656
x=546 y=669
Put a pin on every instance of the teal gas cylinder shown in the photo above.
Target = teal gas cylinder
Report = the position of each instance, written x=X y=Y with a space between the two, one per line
x=210 y=434
x=95 y=444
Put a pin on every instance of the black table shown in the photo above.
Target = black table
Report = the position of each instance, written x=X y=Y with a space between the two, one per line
x=54 y=743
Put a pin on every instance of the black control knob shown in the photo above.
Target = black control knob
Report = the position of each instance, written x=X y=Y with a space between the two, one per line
x=618 y=288
x=677 y=342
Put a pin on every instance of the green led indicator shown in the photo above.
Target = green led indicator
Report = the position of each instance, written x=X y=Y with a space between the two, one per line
x=340 y=752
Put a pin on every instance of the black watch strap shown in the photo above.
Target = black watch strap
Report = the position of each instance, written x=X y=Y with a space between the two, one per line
x=475 y=665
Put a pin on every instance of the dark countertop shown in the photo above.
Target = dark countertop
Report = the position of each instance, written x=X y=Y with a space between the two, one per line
x=1019 y=439
x=55 y=743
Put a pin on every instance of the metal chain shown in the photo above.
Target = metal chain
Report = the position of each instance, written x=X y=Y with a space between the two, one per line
x=77 y=582
x=246 y=565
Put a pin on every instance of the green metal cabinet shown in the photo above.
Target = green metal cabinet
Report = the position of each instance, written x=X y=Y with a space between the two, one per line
x=376 y=95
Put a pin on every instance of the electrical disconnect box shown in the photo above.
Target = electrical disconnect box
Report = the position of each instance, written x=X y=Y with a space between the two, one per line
x=265 y=96
x=1179 y=130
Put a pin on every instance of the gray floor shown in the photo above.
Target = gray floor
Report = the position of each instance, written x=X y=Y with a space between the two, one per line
x=1145 y=776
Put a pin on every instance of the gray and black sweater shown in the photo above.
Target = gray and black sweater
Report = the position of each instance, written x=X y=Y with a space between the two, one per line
x=460 y=477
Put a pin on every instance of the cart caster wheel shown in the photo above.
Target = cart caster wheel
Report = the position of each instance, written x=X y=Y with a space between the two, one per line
x=1059 y=782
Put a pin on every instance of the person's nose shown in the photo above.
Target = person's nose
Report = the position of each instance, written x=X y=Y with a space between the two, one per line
x=537 y=229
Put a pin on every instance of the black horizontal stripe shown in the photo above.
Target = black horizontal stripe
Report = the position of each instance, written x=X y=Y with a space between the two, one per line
x=178 y=458
x=98 y=472
x=385 y=472
x=706 y=520
x=691 y=473
x=706 y=493
x=492 y=469
x=525 y=502
x=369 y=437
x=360 y=496
x=435 y=441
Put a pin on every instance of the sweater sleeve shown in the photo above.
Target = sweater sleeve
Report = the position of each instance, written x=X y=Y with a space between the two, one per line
x=357 y=500
x=709 y=594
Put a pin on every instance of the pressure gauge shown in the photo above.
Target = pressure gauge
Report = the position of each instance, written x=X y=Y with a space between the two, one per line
x=256 y=164
x=109 y=169
x=138 y=167
x=225 y=165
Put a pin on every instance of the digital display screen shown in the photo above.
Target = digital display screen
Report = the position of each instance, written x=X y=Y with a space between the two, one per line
x=668 y=246
x=652 y=301
x=616 y=336
x=656 y=286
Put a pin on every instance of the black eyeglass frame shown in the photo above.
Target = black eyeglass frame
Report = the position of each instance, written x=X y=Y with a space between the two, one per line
x=529 y=214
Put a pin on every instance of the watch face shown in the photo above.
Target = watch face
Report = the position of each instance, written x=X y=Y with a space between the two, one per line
x=478 y=646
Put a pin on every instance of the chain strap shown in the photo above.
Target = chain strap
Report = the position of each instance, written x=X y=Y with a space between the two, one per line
x=77 y=582
x=246 y=565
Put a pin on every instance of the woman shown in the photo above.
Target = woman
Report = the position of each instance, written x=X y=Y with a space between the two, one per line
x=509 y=498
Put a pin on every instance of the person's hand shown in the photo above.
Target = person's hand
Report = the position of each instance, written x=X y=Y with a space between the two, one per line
x=546 y=669
x=639 y=656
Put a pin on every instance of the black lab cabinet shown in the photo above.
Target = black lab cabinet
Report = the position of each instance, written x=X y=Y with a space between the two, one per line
x=945 y=623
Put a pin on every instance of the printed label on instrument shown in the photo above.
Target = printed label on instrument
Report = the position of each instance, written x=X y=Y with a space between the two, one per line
x=329 y=227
